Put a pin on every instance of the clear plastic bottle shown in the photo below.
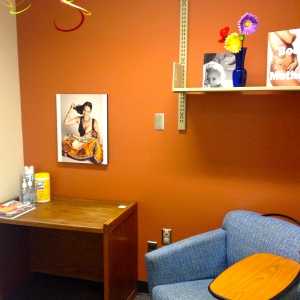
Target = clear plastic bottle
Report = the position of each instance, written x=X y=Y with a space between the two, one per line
x=31 y=191
x=25 y=198
x=31 y=171
x=28 y=186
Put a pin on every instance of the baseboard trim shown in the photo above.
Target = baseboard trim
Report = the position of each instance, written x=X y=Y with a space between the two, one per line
x=142 y=287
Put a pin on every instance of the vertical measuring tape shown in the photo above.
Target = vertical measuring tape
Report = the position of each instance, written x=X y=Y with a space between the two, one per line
x=183 y=41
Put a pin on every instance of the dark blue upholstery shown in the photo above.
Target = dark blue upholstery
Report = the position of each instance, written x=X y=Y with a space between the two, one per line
x=183 y=270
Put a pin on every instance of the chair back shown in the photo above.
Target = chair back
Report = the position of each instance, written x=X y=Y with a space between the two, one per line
x=249 y=232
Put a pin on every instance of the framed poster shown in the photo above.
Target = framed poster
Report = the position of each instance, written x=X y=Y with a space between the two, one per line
x=218 y=69
x=283 y=63
x=82 y=128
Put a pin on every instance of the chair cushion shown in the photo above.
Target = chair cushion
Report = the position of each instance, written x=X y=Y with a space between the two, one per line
x=188 y=290
x=248 y=233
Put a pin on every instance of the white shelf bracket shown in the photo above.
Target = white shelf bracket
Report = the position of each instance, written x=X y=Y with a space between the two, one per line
x=180 y=70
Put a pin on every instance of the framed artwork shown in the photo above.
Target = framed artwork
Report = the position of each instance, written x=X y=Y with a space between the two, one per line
x=283 y=67
x=82 y=128
x=218 y=69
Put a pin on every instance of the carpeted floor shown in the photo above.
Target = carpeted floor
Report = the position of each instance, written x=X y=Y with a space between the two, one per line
x=44 y=287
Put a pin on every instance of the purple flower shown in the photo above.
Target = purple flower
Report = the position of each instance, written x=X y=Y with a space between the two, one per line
x=248 y=23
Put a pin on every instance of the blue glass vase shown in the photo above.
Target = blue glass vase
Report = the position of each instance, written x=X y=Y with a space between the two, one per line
x=239 y=75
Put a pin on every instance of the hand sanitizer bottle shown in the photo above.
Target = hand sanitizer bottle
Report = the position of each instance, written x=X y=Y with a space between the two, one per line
x=28 y=186
x=31 y=192
x=24 y=194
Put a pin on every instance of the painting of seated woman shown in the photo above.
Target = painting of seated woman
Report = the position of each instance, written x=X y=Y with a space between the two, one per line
x=82 y=128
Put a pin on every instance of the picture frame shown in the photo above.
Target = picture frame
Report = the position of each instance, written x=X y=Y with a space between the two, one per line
x=283 y=56
x=218 y=69
x=82 y=128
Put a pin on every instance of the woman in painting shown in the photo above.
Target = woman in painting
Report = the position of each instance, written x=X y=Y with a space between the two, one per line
x=284 y=59
x=86 y=145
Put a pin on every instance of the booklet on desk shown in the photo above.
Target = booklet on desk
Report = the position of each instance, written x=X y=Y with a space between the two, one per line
x=12 y=209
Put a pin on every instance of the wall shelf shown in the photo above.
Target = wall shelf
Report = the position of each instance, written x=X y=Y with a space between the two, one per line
x=179 y=80
x=199 y=90
x=178 y=87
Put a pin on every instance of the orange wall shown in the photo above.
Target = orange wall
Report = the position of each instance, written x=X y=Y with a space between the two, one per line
x=240 y=151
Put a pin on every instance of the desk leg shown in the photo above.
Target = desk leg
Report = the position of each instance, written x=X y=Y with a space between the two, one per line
x=120 y=258
x=14 y=262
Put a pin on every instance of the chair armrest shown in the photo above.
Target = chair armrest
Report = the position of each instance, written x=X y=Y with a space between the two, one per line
x=198 y=257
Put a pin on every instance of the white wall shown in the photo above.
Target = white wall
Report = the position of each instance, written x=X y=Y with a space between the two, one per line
x=11 y=145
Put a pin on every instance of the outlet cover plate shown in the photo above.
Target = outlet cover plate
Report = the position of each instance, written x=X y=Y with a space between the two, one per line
x=159 y=121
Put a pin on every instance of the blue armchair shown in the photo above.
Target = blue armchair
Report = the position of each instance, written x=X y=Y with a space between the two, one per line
x=183 y=270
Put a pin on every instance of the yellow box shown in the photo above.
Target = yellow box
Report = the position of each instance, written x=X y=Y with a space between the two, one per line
x=42 y=186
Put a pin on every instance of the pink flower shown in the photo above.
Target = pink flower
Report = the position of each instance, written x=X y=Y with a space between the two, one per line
x=248 y=24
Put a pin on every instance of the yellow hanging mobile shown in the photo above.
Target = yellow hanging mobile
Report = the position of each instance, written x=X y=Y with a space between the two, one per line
x=13 y=10
x=12 y=6
x=70 y=3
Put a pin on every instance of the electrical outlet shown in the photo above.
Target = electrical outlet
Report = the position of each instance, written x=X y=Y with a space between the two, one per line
x=166 y=236
x=152 y=245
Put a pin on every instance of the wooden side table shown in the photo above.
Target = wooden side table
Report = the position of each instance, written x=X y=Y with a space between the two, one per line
x=78 y=238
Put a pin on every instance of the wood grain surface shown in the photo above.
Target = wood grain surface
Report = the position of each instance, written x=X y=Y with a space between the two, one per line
x=72 y=214
x=120 y=250
x=260 y=276
x=80 y=238
x=66 y=253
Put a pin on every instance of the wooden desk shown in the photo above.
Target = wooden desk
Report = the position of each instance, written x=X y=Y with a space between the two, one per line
x=85 y=239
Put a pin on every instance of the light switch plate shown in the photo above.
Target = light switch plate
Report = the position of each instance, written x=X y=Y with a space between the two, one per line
x=159 y=121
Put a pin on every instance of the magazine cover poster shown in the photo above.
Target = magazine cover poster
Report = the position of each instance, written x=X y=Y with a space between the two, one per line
x=283 y=58
x=82 y=128
x=217 y=69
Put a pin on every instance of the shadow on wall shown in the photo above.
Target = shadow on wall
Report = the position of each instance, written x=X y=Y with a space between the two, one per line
x=246 y=135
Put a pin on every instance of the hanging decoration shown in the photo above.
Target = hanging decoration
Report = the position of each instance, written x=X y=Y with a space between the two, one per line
x=12 y=6
x=72 y=28
x=71 y=3
x=80 y=9
x=16 y=7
